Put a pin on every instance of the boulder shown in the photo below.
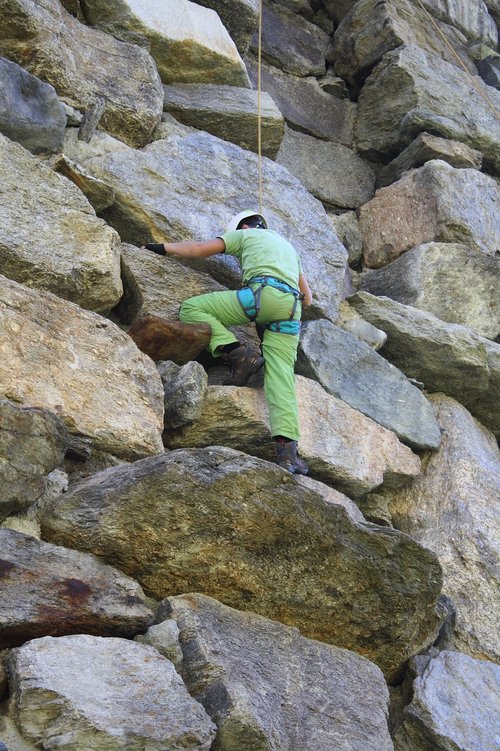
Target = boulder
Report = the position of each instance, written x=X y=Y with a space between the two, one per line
x=51 y=591
x=184 y=388
x=342 y=447
x=329 y=495
x=494 y=10
x=127 y=696
x=412 y=91
x=423 y=149
x=290 y=42
x=228 y=112
x=266 y=686
x=436 y=276
x=170 y=191
x=170 y=340
x=32 y=443
x=352 y=371
x=72 y=57
x=352 y=322
x=331 y=172
x=372 y=29
x=224 y=524
x=60 y=357
x=164 y=637
x=443 y=356
x=305 y=106
x=489 y=70
x=346 y=227
x=30 y=112
x=240 y=17
x=434 y=203
x=337 y=9
x=463 y=528
x=70 y=251
x=456 y=703
x=188 y=43
x=470 y=16
x=99 y=195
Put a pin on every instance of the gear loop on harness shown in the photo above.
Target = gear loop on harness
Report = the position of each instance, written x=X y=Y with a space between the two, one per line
x=249 y=300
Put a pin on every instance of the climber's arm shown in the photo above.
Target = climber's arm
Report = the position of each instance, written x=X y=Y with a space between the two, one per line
x=306 y=290
x=188 y=248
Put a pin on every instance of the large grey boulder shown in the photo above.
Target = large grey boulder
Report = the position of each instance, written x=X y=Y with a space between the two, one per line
x=371 y=29
x=30 y=111
x=290 y=42
x=455 y=705
x=331 y=172
x=224 y=524
x=184 y=388
x=228 y=112
x=170 y=191
x=346 y=226
x=59 y=357
x=305 y=106
x=443 y=356
x=240 y=17
x=89 y=692
x=352 y=371
x=70 y=251
x=267 y=687
x=470 y=16
x=463 y=528
x=188 y=43
x=411 y=91
x=434 y=203
x=51 y=591
x=72 y=57
x=342 y=447
x=449 y=280
x=32 y=443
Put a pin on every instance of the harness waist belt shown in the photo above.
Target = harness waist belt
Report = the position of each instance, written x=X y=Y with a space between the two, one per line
x=276 y=283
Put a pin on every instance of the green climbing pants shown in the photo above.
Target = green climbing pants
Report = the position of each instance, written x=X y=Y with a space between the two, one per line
x=222 y=309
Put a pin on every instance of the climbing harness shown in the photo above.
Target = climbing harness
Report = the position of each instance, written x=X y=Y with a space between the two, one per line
x=249 y=299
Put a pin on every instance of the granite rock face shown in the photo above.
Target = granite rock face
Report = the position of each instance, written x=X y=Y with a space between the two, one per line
x=411 y=91
x=51 y=591
x=30 y=112
x=451 y=281
x=150 y=709
x=72 y=57
x=345 y=694
x=456 y=704
x=32 y=444
x=434 y=203
x=247 y=533
x=87 y=371
x=470 y=16
x=352 y=371
x=77 y=255
x=188 y=43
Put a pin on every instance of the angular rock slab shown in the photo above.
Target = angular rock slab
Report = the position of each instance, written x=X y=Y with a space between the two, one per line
x=46 y=40
x=350 y=370
x=60 y=357
x=30 y=112
x=188 y=43
x=331 y=172
x=126 y=696
x=51 y=591
x=470 y=16
x=240 y=17
x=70 y=252
x=433 y=203
x=342 y=447
x=449 y=280
x=456 y=704
x=411 y=91
x=423 y=149
x=32 y=443
x=171 y=191
x=184 y=388
x=228 y=112
x=464 y=527
x=372 y=29
x=170 y=340
x=248 y=534
x=98 y=194
x=266 y=687
x=443 y=356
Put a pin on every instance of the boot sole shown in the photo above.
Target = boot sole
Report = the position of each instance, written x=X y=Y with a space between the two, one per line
x=259 y=363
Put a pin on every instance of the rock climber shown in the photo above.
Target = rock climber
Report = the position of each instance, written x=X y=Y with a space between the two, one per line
x=274 y=290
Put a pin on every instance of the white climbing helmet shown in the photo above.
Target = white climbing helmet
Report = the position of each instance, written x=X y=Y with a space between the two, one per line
x=233 y=224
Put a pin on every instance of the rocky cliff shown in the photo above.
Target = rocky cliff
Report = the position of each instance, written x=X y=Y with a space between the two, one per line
x=165 y=585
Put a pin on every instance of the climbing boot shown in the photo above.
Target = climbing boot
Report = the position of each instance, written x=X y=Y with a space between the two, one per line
x=242 y=363
x=288 y=458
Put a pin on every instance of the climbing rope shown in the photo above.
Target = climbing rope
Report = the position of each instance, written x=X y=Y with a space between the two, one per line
x=259 y=113
x=460 y=61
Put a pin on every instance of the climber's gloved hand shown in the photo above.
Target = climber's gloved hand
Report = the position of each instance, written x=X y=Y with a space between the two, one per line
x=155 y=248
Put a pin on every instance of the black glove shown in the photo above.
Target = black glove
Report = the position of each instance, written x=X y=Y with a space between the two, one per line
x=156 y=248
